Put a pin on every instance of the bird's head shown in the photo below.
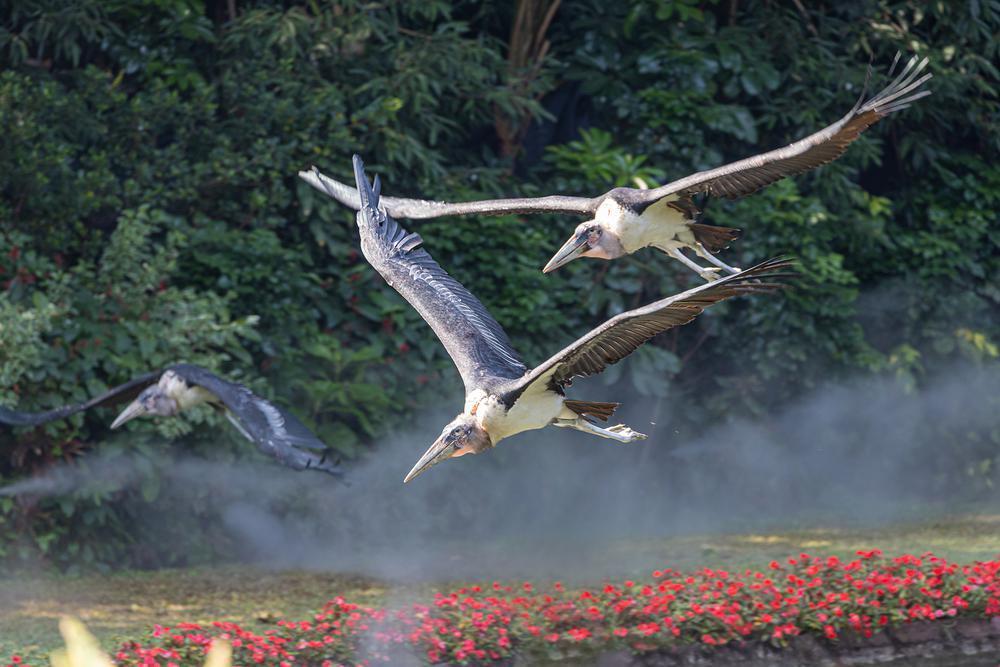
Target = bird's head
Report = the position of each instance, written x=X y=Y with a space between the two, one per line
x=462 y=436
x=154 y=400
x=593 y=238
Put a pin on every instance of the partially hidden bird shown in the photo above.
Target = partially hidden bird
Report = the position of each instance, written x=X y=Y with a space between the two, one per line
x=625 y=220
x=166 y=393
x=502 y=395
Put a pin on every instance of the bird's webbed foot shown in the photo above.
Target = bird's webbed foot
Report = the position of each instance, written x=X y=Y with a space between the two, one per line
x=708 y=273
x=620 y=433
x=626 y=433
x=704 y=252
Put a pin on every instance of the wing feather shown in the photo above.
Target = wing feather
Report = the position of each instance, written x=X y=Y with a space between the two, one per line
x=416 y=209
x=122 y=392
x=623 y=334
x=475 y=341
x=277 y=433
x=744 y=177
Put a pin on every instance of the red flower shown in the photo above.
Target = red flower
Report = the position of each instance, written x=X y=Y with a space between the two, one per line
x=714 y=605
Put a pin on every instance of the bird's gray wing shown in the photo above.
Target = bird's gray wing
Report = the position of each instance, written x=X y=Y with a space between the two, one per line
x=746 y=176
x=623 y=334
x=399 y=207
x=276 y=432
x=123 y=392
x=476 y=342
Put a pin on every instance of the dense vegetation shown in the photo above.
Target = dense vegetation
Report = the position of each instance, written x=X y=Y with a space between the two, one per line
x=150 y=211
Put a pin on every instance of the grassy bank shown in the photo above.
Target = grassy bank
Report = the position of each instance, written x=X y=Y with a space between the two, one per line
x=126 y=605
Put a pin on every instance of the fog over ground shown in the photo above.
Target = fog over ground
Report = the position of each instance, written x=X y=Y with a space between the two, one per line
x=564 y=504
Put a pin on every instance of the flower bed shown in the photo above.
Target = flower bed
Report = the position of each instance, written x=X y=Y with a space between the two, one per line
x=822 y=597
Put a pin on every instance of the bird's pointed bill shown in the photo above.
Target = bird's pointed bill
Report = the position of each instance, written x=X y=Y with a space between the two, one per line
x=134 y=409
x=575 y=247
x=442 y=449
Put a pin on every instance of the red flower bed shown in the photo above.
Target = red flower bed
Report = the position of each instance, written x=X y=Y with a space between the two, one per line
x=824 y=596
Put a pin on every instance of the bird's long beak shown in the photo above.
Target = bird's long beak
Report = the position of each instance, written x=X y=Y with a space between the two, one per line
x=576 y=246
x=134 y=409
x=442 y=450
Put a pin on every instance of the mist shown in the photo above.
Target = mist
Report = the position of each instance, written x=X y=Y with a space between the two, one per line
x=561 y=504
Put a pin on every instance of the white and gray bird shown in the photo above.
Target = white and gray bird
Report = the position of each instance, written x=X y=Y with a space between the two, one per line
x=502 y=395
x=625 y=220
x=275 y=432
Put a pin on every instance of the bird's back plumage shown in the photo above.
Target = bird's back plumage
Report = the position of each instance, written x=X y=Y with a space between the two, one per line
x=276 y=432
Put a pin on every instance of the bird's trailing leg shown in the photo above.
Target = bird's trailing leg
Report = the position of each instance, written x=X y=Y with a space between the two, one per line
x=704 y=252
x=619 y=433
x=239 y=427
x=708 y=273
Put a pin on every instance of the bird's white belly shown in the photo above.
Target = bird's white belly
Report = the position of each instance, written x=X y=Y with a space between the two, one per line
x=185 y=396
x=533 y=410
x=659 y=225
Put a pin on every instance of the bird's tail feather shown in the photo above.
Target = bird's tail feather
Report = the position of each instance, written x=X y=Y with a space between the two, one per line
x=713 y=237
x=602 y=411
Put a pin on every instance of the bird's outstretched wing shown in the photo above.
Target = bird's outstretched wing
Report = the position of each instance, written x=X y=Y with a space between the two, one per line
x=415 y=209
x=122 y=392
x=476 y=342
x=624 y=333
x=276 y=432
x=746 y=176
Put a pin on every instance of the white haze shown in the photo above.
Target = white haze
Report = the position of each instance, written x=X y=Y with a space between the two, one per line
x=555 y=503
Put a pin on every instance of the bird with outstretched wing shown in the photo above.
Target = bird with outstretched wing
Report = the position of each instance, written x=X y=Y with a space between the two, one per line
x=624 y=220
x=275 y=432
x=503 y=396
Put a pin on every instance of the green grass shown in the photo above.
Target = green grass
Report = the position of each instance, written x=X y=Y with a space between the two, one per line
x=126 y=605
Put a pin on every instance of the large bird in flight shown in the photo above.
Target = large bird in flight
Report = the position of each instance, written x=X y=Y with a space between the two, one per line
x=502 y=395
x=275 y=432
x=625 y=220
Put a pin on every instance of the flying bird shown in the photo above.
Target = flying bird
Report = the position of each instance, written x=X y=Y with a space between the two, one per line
x=625 y=220
x=502 y=395
x=275 y=432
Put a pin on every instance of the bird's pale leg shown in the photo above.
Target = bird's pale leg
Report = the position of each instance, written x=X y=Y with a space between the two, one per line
x=707 y=273
x=704 y=252
x=619 y=433
x=239 y=427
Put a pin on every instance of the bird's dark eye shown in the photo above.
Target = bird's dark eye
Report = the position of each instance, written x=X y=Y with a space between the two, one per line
x=593 y=234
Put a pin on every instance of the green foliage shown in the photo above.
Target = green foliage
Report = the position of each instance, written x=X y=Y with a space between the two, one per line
x=595 y=159
x=149 y=211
